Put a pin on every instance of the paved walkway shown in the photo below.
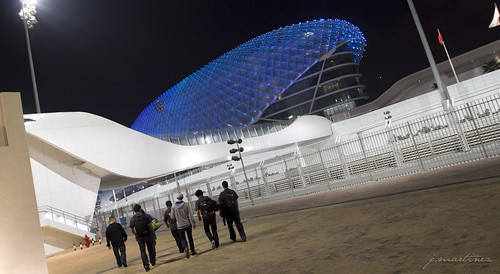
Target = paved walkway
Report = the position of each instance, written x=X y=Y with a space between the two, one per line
x=441 y=221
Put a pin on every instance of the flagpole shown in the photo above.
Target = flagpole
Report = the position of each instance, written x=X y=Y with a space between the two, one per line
x=449 y=59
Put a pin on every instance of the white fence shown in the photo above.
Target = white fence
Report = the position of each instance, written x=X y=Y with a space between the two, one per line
x=467 y=133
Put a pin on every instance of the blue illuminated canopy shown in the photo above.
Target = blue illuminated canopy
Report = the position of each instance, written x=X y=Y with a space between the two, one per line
x=237 y=88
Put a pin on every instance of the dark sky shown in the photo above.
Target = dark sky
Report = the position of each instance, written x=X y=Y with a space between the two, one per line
x=113 y=57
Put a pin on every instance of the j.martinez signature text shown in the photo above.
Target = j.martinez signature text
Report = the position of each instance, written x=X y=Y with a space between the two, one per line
x=468 y=258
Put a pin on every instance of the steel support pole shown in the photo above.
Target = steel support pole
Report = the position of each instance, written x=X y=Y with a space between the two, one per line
x=32 y=67
x=444 y=91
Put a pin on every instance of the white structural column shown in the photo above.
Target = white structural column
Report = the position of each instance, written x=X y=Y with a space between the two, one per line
x=22 y=248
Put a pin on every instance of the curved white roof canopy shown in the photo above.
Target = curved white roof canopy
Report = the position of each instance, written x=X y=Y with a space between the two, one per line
x=122 y=156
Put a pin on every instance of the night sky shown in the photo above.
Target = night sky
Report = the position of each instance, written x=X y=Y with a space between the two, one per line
x=113 y=57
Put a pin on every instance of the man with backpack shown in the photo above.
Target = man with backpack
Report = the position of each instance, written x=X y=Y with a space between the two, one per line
x=141 y=227
x=206 y=207
x=228 y=201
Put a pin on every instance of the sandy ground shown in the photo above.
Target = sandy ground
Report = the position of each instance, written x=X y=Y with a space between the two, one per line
x=442 y=221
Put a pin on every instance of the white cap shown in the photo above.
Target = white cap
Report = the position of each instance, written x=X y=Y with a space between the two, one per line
x=180 y=196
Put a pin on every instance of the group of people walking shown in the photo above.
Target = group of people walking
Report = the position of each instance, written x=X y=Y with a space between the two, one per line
x=180 y=221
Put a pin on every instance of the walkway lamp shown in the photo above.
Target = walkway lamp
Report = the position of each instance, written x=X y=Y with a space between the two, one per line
x=236 y=158
x=160 y=108
x=387 y=118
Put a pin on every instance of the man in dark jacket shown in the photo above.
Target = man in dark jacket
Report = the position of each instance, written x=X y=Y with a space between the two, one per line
x=172 y=224
x=228 y=200
x=117 y=236
x=204 y=209
x=141 y=227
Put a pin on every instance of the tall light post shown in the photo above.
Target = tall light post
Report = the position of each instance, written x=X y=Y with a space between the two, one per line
x=160 y=108
x=445 y=96
x=387 y=118
x=27 y=14
x=236 y=158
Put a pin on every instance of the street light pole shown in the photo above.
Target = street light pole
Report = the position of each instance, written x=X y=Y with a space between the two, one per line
x=236 y=158
x=160 y=108
x=27 y=14
x=444 y=91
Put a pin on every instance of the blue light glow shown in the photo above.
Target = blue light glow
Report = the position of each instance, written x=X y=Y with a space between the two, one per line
x=237 y=87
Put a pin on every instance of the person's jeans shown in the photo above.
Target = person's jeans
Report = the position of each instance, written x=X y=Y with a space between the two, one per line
x=209 y=221
x=236 y=219
x=143 y=242
x=182 y=233
x=120 y=255
x=175 y=234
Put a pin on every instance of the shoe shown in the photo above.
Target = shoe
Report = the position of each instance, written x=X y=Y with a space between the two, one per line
x=243 y=239
x=213 y=245
x=125 y=265
x=153 y=264
x=193 y=253
x=147 y=268
x=186 y=252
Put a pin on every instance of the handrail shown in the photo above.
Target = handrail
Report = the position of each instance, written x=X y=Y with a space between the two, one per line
x=51 y=213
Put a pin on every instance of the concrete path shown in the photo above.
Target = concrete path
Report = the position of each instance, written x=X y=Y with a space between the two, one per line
x=440 y=221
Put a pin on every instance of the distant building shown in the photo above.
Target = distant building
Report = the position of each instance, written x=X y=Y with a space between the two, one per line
x=306 y=68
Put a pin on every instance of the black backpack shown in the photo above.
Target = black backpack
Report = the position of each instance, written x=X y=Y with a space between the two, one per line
x=209 y=205
x=228 y=203
x=228 y=208
x=213 y=205
x=142 y=224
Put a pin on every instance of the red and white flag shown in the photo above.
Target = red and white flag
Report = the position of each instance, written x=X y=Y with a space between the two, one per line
x=496 y=18
x=440 y=38
x=441 y=41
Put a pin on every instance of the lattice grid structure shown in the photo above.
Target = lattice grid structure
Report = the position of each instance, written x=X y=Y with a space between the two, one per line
x=237 y=88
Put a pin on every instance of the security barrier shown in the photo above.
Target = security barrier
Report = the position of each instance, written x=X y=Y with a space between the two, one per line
x=465 y=133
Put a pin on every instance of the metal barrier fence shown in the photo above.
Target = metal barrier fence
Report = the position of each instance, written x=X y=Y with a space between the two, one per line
x=467 y=133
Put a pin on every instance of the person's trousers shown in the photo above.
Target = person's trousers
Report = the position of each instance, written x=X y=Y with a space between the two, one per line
x=209 y=221
x=236 y=219
x=175 y=234
x=120 y=255
x=182 y=233
x=143 y=242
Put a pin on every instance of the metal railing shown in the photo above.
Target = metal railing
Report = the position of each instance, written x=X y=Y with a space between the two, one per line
x=467 y=133
x=63 y=217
